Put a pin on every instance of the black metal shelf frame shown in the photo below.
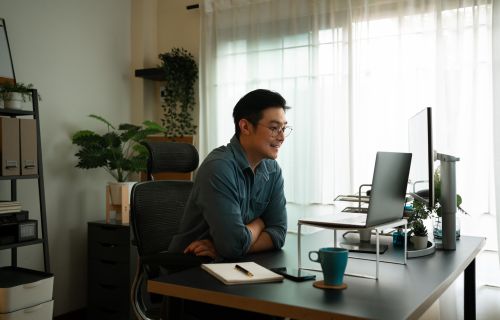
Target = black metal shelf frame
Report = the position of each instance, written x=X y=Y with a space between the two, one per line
x=41 y=191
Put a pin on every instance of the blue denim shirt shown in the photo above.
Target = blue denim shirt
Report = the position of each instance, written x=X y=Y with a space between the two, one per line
x=226 y=196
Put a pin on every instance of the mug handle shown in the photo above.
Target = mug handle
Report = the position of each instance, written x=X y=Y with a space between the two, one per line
x=317 y=254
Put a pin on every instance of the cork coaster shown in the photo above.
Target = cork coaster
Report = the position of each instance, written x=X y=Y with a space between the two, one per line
x=321 y=285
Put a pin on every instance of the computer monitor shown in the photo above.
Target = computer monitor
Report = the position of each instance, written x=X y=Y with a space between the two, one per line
x=421 y=177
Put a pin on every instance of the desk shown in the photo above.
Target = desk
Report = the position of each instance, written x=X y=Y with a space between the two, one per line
x=402 y=291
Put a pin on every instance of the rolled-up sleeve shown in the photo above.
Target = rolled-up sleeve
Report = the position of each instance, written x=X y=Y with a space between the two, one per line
x=275 y=216
x=219 y=201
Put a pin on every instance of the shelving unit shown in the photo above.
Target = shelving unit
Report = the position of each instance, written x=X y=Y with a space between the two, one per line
x=43 y=238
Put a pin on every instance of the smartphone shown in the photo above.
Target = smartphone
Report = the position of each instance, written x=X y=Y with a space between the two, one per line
x=294 y=274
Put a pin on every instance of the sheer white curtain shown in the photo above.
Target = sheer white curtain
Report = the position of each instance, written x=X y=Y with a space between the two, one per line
x=496 y=100
x=354 y=72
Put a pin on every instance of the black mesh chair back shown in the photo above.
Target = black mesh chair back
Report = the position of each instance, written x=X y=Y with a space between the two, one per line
x=171 y=157
x=156 y=211
x=157 y=208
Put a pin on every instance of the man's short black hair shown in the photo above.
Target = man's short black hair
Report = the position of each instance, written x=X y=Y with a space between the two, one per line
x=252 y=104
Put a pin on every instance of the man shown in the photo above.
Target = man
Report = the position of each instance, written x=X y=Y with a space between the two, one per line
x=237 y=204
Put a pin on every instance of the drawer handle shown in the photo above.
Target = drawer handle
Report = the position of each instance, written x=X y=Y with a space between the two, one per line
x=107 y=245
x=32 y=285
x=33 y=309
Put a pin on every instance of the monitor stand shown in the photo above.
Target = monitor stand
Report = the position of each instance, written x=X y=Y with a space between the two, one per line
x=363 y=247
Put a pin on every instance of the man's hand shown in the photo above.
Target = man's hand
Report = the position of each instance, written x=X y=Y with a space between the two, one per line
x=261 y=241
x=256 y=227
x=202 y=248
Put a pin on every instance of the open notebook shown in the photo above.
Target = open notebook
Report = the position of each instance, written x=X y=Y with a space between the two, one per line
x=228 y=274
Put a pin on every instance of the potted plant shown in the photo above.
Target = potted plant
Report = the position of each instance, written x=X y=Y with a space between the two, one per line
x=416 y=223
x=178 y=96
x=118 y=150
x=13 y=95
x=419 y=235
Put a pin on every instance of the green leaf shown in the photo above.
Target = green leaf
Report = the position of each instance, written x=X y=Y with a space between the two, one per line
x=85 y=137
x=103 y=120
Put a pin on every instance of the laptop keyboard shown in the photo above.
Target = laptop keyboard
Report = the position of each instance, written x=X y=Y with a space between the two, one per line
x=355 y=209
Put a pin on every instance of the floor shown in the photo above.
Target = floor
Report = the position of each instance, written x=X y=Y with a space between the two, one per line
x=450 y=305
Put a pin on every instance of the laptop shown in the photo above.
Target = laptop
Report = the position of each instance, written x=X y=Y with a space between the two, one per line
x=387 y=198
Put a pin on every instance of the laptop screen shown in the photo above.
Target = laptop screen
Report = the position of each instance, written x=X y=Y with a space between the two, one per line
x=390 y=179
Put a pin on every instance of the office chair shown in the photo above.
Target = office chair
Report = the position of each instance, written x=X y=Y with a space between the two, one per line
x=156 y=211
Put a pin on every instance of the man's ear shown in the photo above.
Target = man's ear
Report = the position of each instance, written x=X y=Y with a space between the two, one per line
x=245 y=126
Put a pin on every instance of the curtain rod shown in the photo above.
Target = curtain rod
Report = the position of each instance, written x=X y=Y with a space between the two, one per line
x=192 y=6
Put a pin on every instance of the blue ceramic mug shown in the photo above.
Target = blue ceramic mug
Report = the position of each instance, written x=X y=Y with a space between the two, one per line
x=333 y=263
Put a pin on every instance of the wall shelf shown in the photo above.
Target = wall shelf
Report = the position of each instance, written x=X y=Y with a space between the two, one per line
x=20 y=244
x=14 y=112
x=155 y=74
x=31 y=176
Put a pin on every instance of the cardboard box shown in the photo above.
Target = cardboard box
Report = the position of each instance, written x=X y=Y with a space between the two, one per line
x=9 y=146
x=27 y=136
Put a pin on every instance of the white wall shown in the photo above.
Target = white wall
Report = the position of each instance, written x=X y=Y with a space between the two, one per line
x=77 y=53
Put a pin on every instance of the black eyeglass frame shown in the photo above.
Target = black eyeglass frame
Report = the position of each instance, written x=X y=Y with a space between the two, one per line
x=286 y=130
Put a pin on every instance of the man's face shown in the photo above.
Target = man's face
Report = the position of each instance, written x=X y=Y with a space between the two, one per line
x=267 y=136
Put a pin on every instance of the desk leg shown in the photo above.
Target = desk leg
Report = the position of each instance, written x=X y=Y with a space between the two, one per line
x=470 y=291
x=299 y=249
x=172 y=308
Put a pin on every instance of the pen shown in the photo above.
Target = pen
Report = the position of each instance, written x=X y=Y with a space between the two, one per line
x=245 y=271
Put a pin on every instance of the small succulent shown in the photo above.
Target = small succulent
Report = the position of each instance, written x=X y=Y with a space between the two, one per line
x=419 y=228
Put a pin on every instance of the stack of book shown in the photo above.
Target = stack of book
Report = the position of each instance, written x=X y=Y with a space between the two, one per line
x=9 y=206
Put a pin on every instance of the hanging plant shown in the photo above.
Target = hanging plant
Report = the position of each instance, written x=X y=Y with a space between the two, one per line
x=178 y=100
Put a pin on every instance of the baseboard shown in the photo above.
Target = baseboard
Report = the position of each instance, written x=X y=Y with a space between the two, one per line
x=80 y=314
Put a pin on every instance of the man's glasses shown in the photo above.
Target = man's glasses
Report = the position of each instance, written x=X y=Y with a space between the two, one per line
x=286 y=130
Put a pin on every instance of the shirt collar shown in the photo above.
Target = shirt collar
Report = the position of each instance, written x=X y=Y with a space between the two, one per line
x=242 y=161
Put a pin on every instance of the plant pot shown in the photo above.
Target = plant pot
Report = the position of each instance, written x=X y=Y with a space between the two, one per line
x=419 y=242
x=27 y=103
x=13 y=100
x=116 y=191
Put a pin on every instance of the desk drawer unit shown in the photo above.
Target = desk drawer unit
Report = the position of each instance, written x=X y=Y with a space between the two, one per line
x=38 y=312
x=25 y=294
x=111 y=268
